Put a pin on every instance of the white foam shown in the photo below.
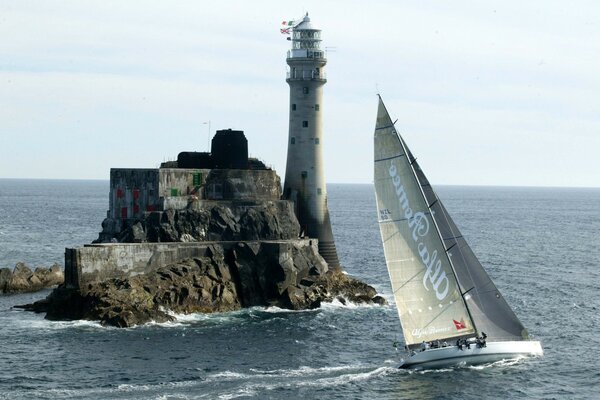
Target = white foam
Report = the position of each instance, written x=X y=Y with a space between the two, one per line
x=501 y=363
x=38 y=322
x=345 y=378
x=277 y=310
x=244 y=392
x=302 y=377
x=228 y=376
x=126 y=387
x=336 y=305
x=182 y=320
x=305 y=370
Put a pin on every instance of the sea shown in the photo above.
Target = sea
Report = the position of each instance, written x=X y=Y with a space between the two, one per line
x=541 y=246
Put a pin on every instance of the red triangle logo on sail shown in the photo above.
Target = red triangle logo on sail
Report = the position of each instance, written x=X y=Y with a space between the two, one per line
x=459 y=324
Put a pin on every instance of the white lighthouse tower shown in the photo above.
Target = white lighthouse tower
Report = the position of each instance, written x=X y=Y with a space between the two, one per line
x=304 y=174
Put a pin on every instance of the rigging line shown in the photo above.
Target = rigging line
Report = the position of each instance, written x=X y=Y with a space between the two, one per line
x=384 y=127
x=391 y=220
x=389 y=158
x=407 y=282
x=473 y=287
x=404 y=219
x=432 y=204
x=448 y=249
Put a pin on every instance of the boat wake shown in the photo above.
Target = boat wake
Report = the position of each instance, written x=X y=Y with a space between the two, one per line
x=232 y=384
x=258 y=381
x=509 y=362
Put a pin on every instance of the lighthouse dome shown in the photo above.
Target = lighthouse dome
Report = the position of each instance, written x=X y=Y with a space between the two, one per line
x=305 y=24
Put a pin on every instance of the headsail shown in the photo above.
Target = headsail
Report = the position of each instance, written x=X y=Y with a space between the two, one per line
x=472 y=300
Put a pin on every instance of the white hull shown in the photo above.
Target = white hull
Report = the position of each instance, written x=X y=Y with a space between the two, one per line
x=452 y=355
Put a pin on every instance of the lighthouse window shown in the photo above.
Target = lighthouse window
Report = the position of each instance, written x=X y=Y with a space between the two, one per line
x=316 y=107
x=316 y=140
x=305 y=90
x=293 y=107
x=319 y=191
x=305 y=124
x=293 y=140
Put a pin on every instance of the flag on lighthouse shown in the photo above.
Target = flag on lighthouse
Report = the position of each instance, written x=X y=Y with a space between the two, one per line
x=286 y=27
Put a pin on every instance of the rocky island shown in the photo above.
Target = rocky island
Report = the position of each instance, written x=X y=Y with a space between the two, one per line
x=206 y=233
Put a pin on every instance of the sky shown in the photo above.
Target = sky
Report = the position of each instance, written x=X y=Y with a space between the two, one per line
x=485 y=93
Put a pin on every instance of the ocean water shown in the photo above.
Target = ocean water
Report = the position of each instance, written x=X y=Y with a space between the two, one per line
x=540 y=245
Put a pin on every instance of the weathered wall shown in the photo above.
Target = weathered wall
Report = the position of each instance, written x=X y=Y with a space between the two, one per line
x=132 y=192
x=242 y=184
x=218 y=184
x=175 y=182
x=136 y=191
x=98 y=262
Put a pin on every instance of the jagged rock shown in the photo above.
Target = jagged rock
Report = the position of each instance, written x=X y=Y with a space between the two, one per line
x=250 y=274
x=5 y=277
x=262 y=220
x=50 y=277
x=23 y=280
x=186 y=237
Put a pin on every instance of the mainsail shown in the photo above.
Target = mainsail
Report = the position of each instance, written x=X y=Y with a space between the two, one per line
x=440 y=288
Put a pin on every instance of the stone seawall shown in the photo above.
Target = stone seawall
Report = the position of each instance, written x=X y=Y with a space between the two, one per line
x=98 y=262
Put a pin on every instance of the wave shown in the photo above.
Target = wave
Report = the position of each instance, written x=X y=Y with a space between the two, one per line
x=38 y=322
x=231 y=384
x=302 y=371
x=347 y=304
x=182 y=320
x=28 y=320
x=258 y=381
x=509 y=362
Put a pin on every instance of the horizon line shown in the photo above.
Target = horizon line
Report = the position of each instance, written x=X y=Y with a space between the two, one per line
x=344 y=183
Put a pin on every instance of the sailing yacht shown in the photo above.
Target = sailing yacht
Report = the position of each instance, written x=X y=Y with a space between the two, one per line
x=450 y=310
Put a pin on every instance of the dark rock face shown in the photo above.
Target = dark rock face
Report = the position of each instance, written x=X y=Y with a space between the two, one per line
x=213 y=221
x=23 y=280
x=251 y=274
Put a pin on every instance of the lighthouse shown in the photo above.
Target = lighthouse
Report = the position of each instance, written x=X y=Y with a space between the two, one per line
x=304 y=174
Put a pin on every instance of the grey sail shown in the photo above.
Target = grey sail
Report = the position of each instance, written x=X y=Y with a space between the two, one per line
x=489 y=312
x=429 y=300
